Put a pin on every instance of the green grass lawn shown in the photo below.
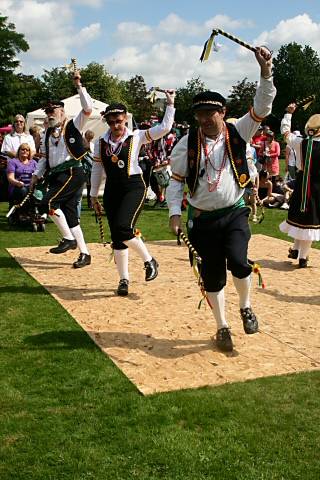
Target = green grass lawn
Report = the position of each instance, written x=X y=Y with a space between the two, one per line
x=68 y=413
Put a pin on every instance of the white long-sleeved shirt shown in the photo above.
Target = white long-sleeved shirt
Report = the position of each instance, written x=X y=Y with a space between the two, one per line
x=228 y=191
x=12 y=142
x=140 y=137
x=59 y=153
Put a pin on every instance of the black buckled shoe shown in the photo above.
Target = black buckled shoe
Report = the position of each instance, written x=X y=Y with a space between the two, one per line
x=151 y=269
x=64 y=246
x=293 y=253
x=83 y=260
x=303 y=262
x=123 y=287
x=250 y=322
x=224 y=340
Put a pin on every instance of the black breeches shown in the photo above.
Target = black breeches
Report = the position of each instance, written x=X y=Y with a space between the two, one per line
x=123 y=202
x=222 y=244
x=63 y=193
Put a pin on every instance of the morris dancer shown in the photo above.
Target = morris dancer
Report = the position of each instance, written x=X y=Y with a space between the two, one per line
x=61 y=160
x=303 y=222
x=212 y=160
x=116 y=161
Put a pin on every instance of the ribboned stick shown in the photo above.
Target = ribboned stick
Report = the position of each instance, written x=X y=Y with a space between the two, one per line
x=305 y=102
x=101 y=230
x=15 y=207
x=208 y=45
x=189 y=245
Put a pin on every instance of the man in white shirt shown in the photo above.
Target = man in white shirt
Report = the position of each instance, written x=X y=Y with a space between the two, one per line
x=62 y=151
x=212 y=160
x=13 y=140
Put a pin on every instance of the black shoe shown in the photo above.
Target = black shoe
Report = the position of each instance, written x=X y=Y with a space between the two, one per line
x=250 y=322
x=123 y=287
x=151 y=269
x=224 y=340
x=64 y=246
x=303 y=262
x=293 y=253
x=83 y=260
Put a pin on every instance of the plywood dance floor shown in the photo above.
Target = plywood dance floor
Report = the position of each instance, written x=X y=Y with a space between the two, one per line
x=159 y=338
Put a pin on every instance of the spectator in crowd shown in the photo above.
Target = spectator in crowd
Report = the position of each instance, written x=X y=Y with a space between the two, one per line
x=257 y=142
x=265 y=187
x=13 y=140
x=88 y=140
x=270 y=154
x=19 y=173
x=35 y=133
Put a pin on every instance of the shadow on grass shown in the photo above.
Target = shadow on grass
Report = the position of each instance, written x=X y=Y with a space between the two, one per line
x=156 y=347
x=9 y=262
x=24 y=289
x=60 y=339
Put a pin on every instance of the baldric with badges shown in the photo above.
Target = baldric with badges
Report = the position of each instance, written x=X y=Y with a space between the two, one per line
x=236 y=149
x=117 y=166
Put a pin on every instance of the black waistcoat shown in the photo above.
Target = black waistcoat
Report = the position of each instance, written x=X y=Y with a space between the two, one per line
x=73 y=140
x=120 y=167
x=315 y=156
x=236 y=148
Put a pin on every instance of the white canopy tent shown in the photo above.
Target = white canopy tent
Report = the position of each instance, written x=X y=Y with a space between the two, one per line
x=72 y=107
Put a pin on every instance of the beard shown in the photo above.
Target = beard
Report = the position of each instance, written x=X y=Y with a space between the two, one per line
x=53 y=122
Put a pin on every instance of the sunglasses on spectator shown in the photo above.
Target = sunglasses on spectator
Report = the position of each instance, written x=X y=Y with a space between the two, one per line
x=24 y=149
x=19 y=121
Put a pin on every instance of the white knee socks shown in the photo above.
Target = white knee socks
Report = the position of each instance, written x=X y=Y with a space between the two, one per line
x=121 y=257
x=78 y=235
x=60 y=220
x=138 y=246
x=243 y=288
x=305 y=246
x=217 y=303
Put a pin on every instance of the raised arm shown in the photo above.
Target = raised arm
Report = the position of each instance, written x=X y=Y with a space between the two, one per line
x=262 y=103
x=154 y=133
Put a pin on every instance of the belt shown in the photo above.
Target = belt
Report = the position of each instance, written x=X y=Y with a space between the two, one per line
x=214 y=214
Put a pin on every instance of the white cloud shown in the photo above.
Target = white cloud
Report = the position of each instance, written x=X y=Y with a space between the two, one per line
x=171 y=65
x=49 y=29
x=300 y=29
x=89 y=33
x=173 y=27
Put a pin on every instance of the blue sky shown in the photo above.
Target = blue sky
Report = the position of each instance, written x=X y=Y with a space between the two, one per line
x=160 y=40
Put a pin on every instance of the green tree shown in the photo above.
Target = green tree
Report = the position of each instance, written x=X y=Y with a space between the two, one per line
x=57 y=84
x=102 y=85
x=184 y=98
x=11 y=43
x=296 y=76
x=137 y=93
x=241 y=98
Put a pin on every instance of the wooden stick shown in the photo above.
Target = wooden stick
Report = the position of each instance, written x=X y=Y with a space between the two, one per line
x=216 y=31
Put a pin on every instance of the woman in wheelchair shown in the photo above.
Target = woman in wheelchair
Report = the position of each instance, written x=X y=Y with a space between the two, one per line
x=19 y=173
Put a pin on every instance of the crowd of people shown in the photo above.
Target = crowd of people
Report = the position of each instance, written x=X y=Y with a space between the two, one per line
x=227 y=166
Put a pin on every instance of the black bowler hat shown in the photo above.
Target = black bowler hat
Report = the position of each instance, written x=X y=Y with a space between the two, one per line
x=114 y=109
x=52 y=104
x=208 y=101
